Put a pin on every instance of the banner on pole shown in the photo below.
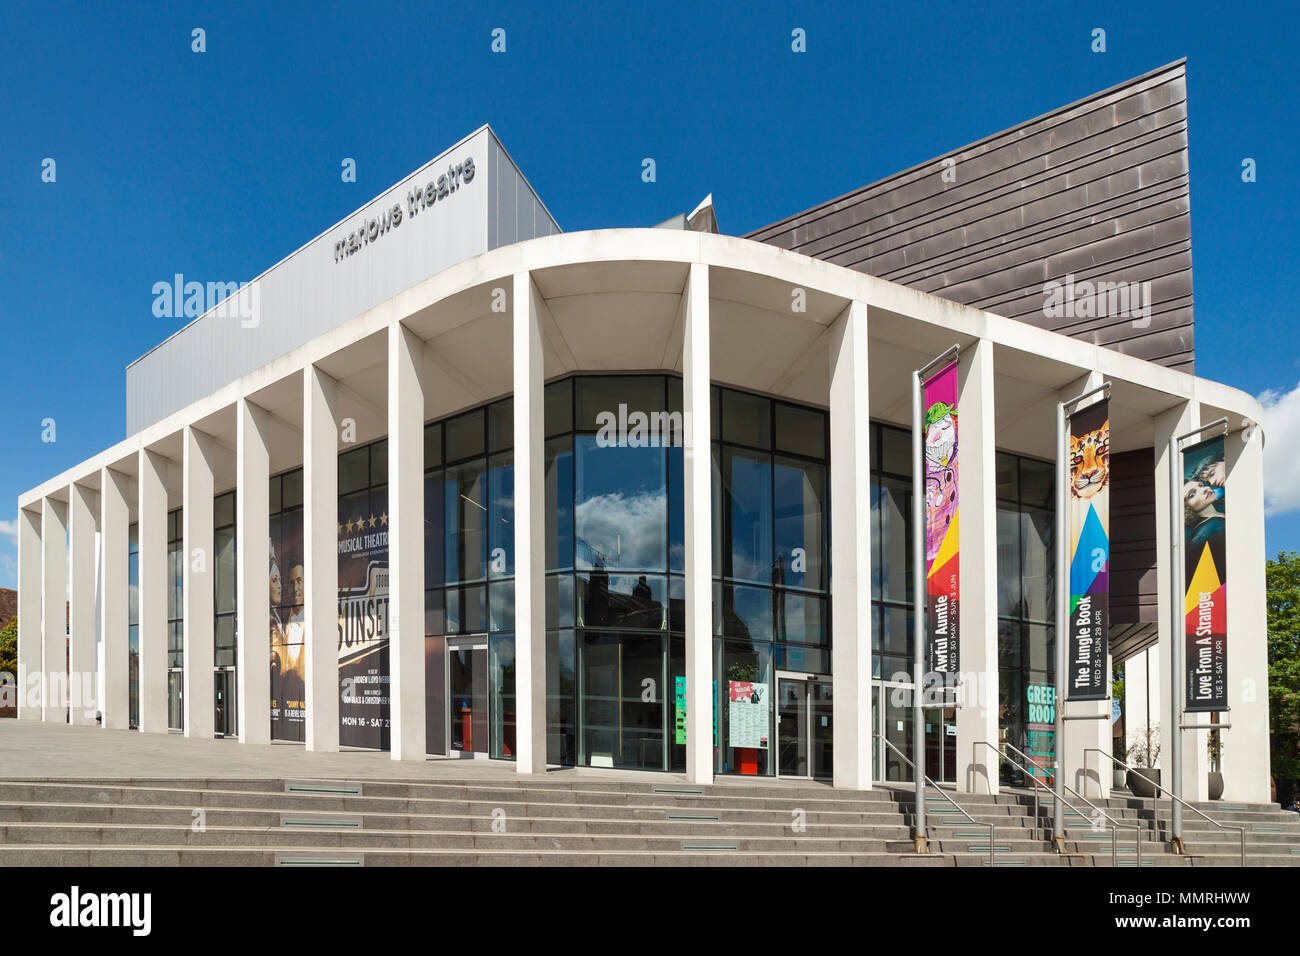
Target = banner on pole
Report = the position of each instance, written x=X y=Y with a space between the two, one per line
x=942 y=571
x=1089 y=530
x=1206 y=601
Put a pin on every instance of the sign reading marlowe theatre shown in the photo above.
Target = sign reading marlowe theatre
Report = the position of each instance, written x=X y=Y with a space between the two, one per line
x=417 y=200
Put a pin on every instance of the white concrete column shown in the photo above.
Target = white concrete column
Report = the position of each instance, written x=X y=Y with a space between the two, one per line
x=320 y=482
x=1244 y=754
x=530 y=529
x=54 y=628
x=30 y=677
x=697 y=499
x=115 y=613
x=406 y=543
x=152 y=631
x=1195 y=763
x=850 y=511
x=977 y=480
x=197 y=595
x=1088 y=773
x=253 y=573
x=81 y=628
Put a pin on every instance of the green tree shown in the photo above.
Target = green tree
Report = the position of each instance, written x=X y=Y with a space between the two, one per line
x=9 y=648
x=1283 y=580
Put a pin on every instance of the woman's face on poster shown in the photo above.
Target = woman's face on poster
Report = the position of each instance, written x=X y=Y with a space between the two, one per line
x=1197 y=495
x=1215 y=474
x=277 y=587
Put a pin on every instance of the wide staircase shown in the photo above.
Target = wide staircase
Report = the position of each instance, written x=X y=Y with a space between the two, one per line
x=583 y=821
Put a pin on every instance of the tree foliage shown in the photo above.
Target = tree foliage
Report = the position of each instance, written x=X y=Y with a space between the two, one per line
x=1283 y=597
x=9 y=647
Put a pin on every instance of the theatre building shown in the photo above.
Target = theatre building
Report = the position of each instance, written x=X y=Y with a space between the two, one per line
x=449 y=482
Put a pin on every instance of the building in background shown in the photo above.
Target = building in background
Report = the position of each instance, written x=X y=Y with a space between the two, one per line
x=641 y=498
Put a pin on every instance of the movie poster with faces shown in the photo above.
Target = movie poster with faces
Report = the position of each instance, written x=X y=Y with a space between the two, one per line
x=942 y=552
x=288 y=598
x=1089 y=544
x=1205 y=526
x=363 y=619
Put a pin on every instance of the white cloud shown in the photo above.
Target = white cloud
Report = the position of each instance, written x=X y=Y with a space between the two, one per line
x=1281 y=438
x=9 y=529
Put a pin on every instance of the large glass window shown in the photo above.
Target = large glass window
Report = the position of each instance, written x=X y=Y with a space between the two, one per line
x=469 y=582
x=770 y=563
x=1026 y=607
x=175 y=623
x=133 y=621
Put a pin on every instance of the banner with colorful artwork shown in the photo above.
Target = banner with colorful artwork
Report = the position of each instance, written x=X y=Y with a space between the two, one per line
x=1206 y=601
x=1089 y=547
x=942 y=573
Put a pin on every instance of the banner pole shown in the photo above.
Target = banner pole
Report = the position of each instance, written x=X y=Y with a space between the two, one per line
x=1176 y=638
x=1062 y=624
x=919 y=613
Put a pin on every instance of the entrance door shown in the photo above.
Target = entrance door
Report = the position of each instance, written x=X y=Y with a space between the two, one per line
x=804 y=726
x=223 y=703
x=467 y=700
x=892 y=714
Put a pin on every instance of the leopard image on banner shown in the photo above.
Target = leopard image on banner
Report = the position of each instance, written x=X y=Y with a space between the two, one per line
x=364 y=712
x=1089 y=545
x=1206 y=602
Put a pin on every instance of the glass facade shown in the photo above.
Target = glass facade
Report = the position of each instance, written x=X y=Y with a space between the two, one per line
x=770 y=570
x=1026 y=606
x=175 y=623
x=614 y=551
x=133 y=622
x=469 y=566
x=224 y=608
x=615 y=591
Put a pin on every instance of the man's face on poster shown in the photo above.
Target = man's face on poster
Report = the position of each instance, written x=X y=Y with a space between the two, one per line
x=299 y=588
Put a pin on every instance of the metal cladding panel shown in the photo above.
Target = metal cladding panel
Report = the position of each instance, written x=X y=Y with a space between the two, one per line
x=1097 y=191
x=314 y=289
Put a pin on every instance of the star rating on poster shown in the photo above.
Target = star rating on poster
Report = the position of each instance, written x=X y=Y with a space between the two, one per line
x=363 y=522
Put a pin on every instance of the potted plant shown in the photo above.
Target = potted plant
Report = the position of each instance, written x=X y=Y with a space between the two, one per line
x=1119 y=776
x=1143 y=750
x=1215 y=748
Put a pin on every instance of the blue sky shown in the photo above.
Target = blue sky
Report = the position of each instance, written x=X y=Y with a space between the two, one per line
x=216 y=165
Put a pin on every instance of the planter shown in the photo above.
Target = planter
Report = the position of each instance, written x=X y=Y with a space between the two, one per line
x=1119 y=779
x=1144 y=783
x=1216 y=785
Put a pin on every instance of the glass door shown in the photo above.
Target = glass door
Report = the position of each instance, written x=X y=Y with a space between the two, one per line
x=467 y=698
x=792 y=724
x=804 y=726
x=223 y=702
x=892 y=707
x=941 y=744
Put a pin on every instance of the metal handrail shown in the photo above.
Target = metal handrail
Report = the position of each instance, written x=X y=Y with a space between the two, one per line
x=1115 y=824
x=974 y=822
x=1241 y=831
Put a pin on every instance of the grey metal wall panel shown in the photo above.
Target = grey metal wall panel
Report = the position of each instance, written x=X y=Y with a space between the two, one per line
x=309 y=292
x=1097 y=189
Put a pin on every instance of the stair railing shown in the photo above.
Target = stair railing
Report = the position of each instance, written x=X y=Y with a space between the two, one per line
x=1038 y=784
x=1241 y=831
x=942 y=793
